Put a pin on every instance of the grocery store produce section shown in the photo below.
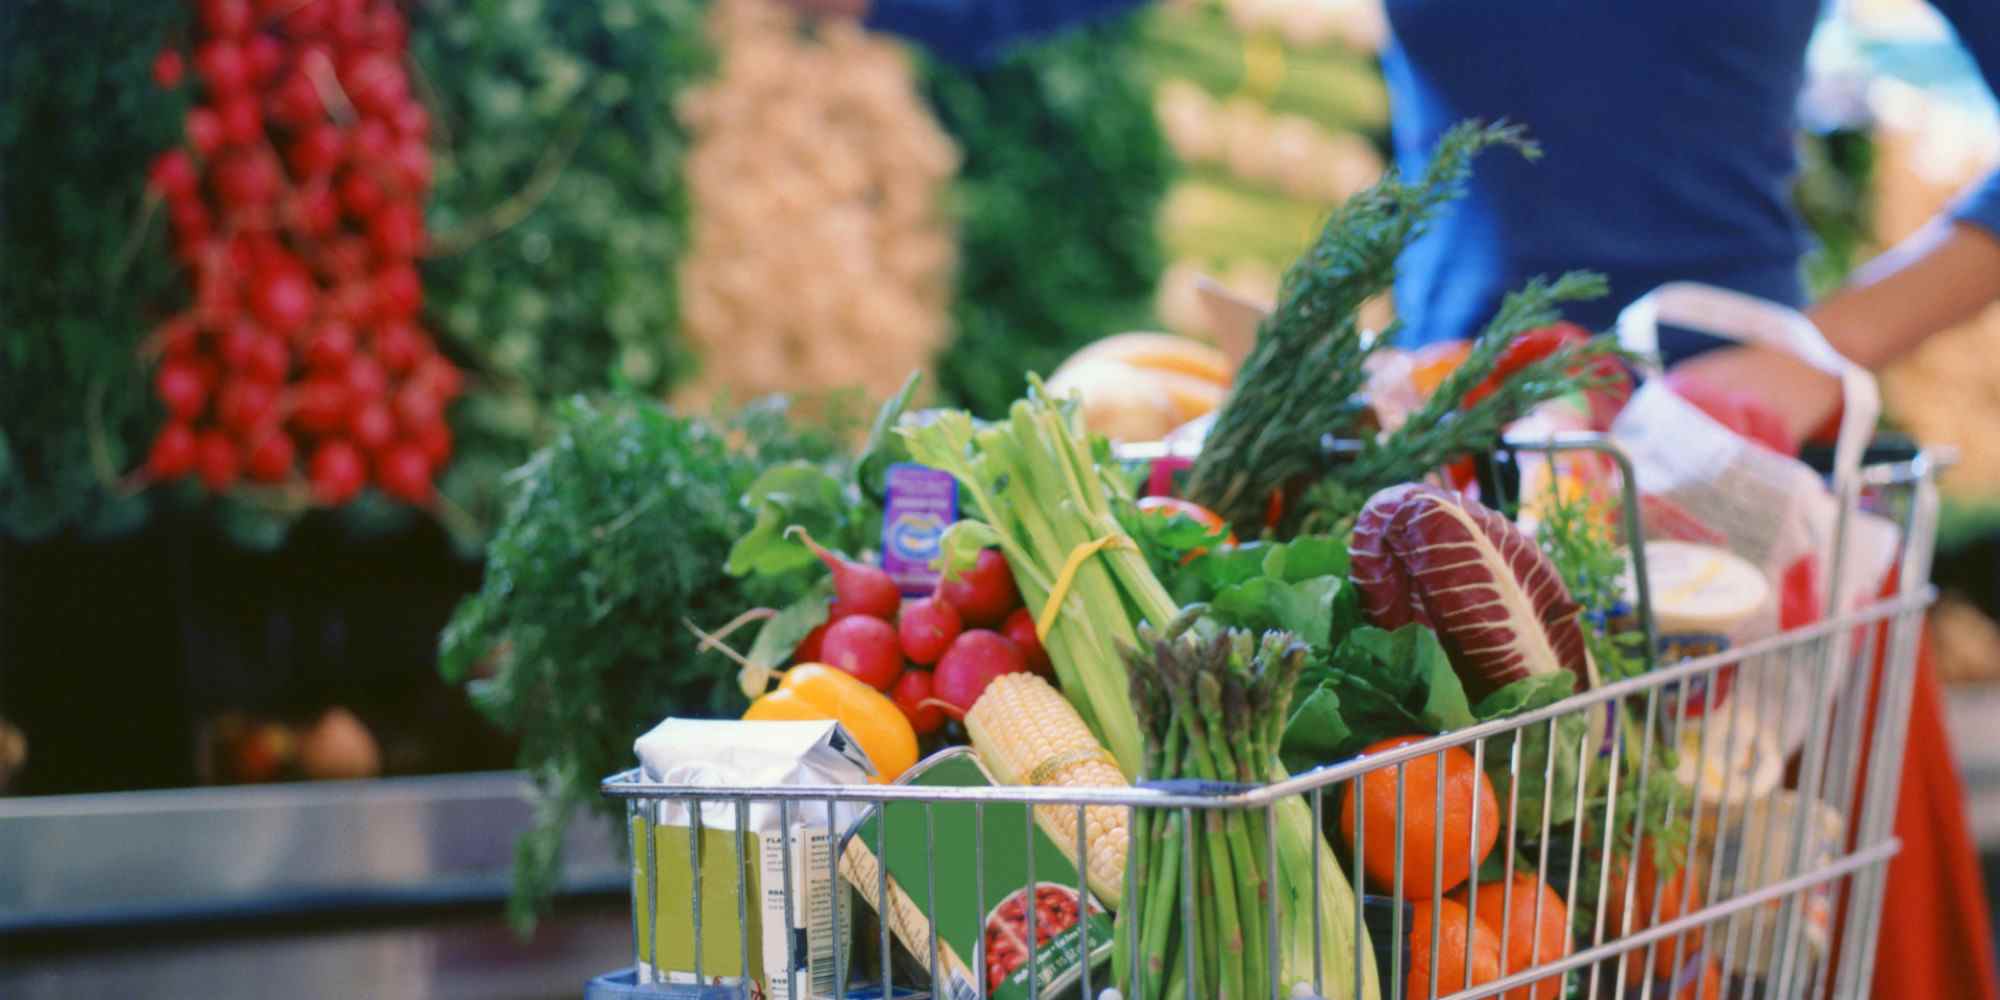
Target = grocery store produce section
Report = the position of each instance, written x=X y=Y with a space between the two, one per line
x=422 y=413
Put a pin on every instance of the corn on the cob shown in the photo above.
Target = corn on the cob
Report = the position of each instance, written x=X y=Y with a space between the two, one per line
x=1027 y=734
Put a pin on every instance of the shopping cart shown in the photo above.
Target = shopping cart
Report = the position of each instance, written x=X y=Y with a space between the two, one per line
x=1780 y=885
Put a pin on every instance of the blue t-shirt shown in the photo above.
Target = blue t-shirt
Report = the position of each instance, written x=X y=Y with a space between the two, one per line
x=1668 y=129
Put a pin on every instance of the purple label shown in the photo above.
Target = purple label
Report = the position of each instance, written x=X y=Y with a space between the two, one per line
x=922 y=503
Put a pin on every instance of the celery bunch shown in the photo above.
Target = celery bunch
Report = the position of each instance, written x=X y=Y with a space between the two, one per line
x=1034 y=489
x=1034 y=486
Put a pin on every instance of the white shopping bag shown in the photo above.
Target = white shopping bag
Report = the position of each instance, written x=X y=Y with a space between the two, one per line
x=1771 y=509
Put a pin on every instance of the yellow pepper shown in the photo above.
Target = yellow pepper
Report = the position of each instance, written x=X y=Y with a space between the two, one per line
x=817 y=691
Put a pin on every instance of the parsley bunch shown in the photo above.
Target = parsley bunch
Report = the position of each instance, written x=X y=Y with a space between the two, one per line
x=616 y=533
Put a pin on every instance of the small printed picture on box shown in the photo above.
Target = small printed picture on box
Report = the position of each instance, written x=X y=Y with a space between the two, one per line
x=1007 y=926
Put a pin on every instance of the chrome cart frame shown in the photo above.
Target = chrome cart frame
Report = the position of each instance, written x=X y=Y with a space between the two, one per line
x=1783 y=902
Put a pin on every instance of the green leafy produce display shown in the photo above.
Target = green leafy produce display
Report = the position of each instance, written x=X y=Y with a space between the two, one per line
x=1063 y=172
x=615 y=537
x=559 y=208
x=86 y=255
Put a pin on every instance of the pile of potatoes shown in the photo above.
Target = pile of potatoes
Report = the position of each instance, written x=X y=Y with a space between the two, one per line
x=821 y=255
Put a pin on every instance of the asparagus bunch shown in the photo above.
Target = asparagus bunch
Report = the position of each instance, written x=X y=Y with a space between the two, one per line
x=1211 y=709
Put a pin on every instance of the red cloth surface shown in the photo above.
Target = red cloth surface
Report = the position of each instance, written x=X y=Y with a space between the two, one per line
x=1936 y=937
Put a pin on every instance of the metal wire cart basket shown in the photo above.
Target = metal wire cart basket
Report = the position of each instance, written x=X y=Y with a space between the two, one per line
x=1788 y=839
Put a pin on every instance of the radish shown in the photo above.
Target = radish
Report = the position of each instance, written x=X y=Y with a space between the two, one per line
x=1020 y=629
x=331 y=346
x=912 y=694
x=969 y=665
x=399 y=292
x=808 y=649
x=242 y=119
x=204 y=131
x=927 y=627
x=338 y=473
x=181 y=386
x=172 y=174
x=321 y=404
x=866 y=647
x=220 y=64
x=372 y=426
x=168 y=69
x=405 y=474
x=858 y=588
x=263 y=56
x=245 y=404
x=217 y=461
x=173 y=453
x=271 y=457
x=435 y=440
x=983 y=594
x=270 y=362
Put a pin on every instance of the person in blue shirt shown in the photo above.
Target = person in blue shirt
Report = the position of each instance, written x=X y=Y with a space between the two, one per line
x=1669 y=131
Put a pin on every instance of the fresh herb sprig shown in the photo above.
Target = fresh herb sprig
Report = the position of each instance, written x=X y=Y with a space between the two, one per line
x=1304 y=376
x=1444 y=428
x=618 y=531
x=1575 y=528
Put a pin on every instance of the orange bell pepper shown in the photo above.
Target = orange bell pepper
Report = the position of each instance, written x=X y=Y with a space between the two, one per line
x=816 y=691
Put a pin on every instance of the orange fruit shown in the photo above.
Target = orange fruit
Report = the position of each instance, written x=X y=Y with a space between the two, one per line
x=1430 y=365
x=1527 y=944
x=1463 y=787
x=1454 y=926
x=1709 y=987
x=1675 y=898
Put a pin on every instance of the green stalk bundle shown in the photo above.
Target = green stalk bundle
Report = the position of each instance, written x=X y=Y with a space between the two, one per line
x=1034 y=489
x=1213 y=709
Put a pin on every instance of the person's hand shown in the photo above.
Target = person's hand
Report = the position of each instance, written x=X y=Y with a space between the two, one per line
x=830 y=8
x=1804 y=396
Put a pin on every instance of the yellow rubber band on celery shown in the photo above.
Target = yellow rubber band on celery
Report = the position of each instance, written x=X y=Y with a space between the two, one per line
x=1060 y=588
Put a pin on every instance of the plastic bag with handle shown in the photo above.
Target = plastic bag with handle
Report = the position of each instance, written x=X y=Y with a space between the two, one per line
x=1765 y=506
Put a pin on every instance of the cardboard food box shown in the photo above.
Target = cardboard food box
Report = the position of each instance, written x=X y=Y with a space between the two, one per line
x=742 y=872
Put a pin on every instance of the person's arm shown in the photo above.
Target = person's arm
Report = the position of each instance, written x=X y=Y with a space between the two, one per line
x=969 y=32
x=1941 y=276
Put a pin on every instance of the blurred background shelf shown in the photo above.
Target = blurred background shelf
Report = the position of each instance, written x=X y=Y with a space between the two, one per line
x=386 y=887
x=131 y=858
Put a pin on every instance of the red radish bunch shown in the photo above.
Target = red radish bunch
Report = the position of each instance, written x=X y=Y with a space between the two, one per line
x=924 y=653
x=296 y=206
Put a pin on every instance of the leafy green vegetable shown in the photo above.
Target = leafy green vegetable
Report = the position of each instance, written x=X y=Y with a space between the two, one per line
x=1170 y=544
x=884 y=446
x=1445 y=427
x=615 y=535
x=807 y=495
x=783 y=633
x=1067 y=122
x=1033 y=486
x=1576 y=532
x=559 y=213
x=1303 y=378
x=1306 y=374
x=1270 y=603
x=90 y=263
x=1540 y=790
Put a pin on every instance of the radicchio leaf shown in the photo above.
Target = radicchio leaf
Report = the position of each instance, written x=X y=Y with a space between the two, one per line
x=1426 y=555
